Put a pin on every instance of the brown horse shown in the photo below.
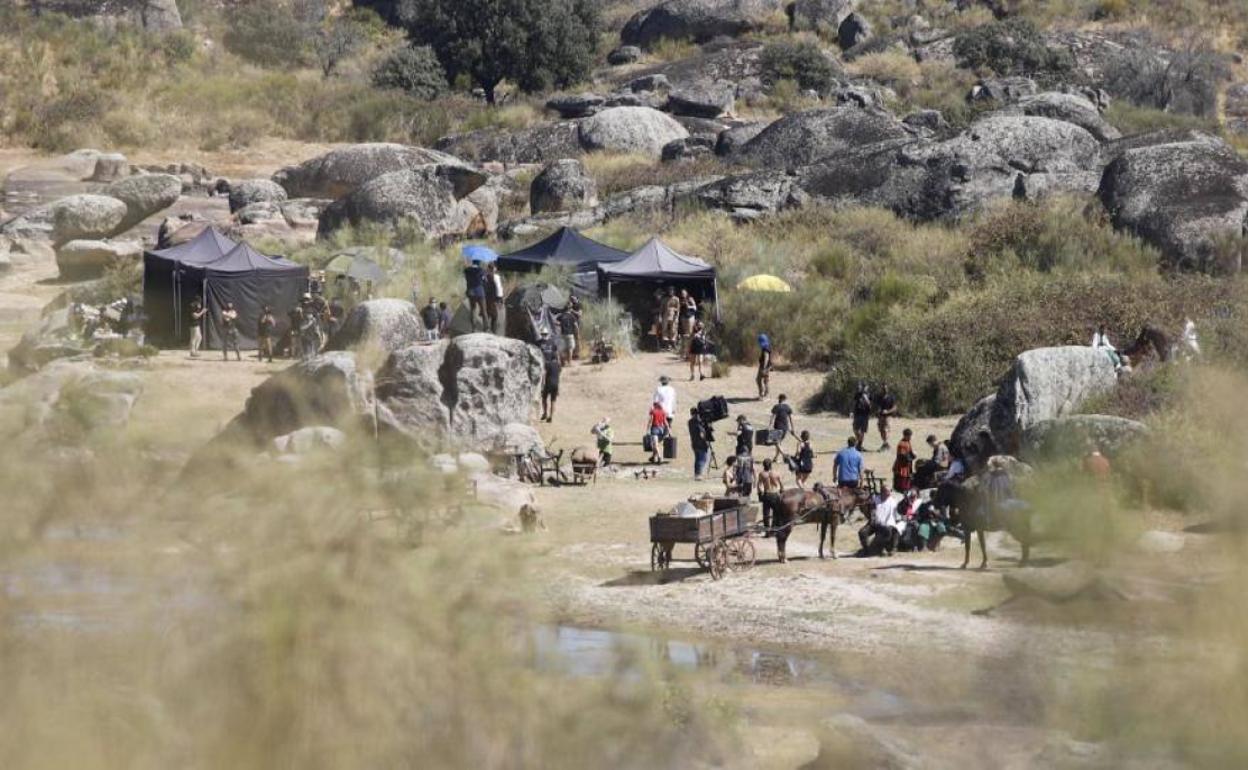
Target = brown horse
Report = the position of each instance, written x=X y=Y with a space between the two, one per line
x=828 y=508
x=969 y=508
x=1151 y=340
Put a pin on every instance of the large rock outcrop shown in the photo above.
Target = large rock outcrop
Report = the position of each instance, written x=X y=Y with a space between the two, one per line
x=340 y=171
x=973 y=424
x=1046 y=384
x=821 y=15
x=630 y=130
x=805 y=137
x=563 y=185
x=66 y=401
x=386 y=324
x=537 y=144
x=82 y=258
x=85 y=216
x=433 y=197
x=245 y=192
x=1071 y=436
x=474 y=392
x=697 y=21
x=1070 y=108
x=54 y=338
x=490 y=381
x=997 y=157
x=1183 y=194
x=144 y=195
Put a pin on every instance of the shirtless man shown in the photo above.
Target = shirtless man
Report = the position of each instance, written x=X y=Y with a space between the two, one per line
x=770 y=487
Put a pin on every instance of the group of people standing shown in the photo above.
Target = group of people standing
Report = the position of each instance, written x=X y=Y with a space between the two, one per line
x=484 y=290
x=678 y=327
x=309 y=325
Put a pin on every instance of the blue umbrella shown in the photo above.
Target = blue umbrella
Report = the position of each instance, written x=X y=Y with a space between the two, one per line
x=476 y=253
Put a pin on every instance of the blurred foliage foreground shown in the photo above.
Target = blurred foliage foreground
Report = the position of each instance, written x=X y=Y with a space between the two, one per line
x=320 y=614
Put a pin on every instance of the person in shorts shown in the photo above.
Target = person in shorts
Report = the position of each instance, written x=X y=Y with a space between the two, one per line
x=862 y=414
x=886 y=406
x=550 y=387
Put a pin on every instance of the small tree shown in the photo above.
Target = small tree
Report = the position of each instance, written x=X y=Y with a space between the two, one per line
x=412 y=69
x=340 y=37
x=1010 y=47
x=802 y=62
x=274 y=33
x=537 y=44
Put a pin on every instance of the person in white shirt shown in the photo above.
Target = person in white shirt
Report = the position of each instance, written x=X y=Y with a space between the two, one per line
x=881 y=527
x=665 y=396
x=1100 y=341
x=1191 y=342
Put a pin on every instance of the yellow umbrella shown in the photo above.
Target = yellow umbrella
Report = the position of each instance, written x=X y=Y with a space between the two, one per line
x=763 y=282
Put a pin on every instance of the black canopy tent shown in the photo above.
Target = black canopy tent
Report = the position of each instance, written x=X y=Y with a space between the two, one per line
x=565 y=247
x=655 y=263
x=163 y=302
x=251 y=281
x=241 y=275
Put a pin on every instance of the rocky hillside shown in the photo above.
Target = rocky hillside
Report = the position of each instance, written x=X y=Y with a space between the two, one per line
x=913 y=171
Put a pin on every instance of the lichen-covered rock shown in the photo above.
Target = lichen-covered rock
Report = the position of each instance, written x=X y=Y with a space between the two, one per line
x=66 y=400
x=571 y=106
x=697 y=21
x=630 y=130
x=805 y=137
x=536 y=144
x=1068 y=437
x=490 y=382
x=85 y=217
x=1182 y=195
x=563 y=185
x=1070 y=108
x=340 y=171
x=329 y=390
x=1047 y=384
x=385 y=324
x=144 y=195
x=431 y=197
x=81 y=258
x=248 y=191
x=702 y=100
x=411 y=398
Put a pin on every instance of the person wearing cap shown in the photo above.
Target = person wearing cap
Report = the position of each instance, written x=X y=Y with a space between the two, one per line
x=665 y=395
x=763 y=378
x=229 y=323
x=606 y=440
x=745 y=436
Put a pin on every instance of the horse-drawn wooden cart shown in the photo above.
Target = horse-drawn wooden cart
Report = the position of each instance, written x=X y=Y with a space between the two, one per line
x=721 y=536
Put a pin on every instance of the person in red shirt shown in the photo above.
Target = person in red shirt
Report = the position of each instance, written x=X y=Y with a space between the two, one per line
x=1097 y=466
x=657 y=428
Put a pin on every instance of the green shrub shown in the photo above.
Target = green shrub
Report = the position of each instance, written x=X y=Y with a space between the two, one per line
x=269 y=33
x=415 y=70
x=1010 y=47
x=802 y=62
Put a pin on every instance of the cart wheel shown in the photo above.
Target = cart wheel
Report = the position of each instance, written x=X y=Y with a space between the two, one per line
x=658 y=558
x=700 y=556
x=741 y=554
x=719 y=560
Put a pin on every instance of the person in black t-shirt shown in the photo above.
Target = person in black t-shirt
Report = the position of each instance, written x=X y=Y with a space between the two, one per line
x=887 y=407
x=550 y=387
x=862 y=413
x=474 y=285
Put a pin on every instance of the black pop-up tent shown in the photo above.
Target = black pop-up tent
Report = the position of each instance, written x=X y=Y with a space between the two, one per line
x=164 y=302
x=251 y=281
x=240 y=274
x=655 y=265
x=565 y=247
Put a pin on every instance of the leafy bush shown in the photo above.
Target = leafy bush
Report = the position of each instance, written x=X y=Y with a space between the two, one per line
x=893 y=68
x=270 y=33
x=1010 y=47
x=414 y=70
x=1132 y=119
x=536 y=44
x=802 y=62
